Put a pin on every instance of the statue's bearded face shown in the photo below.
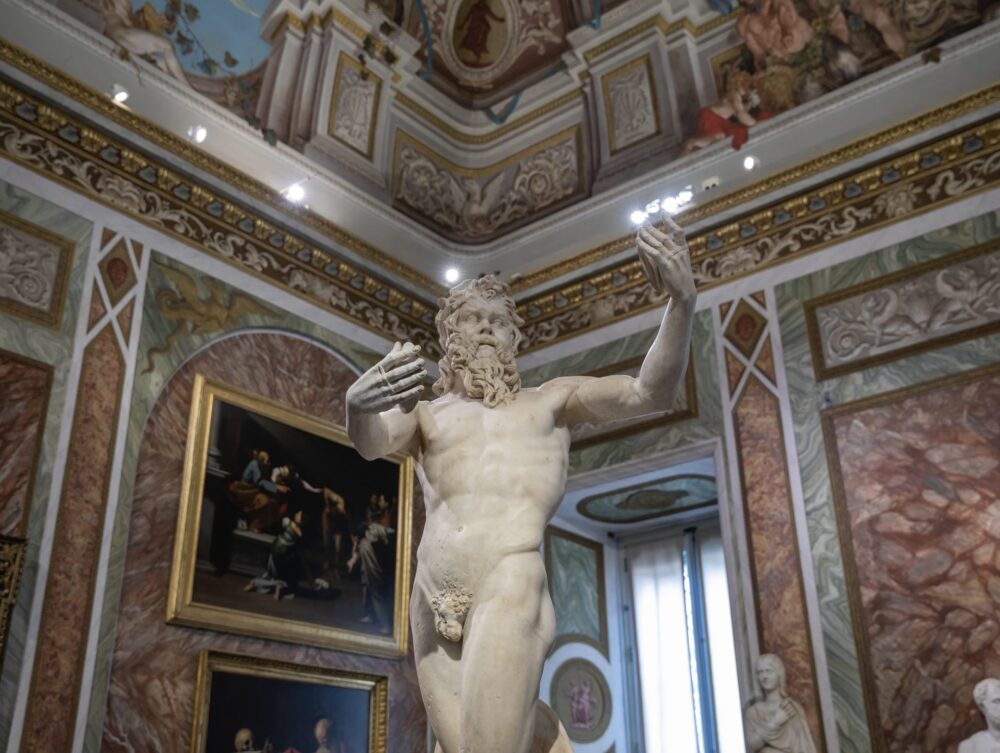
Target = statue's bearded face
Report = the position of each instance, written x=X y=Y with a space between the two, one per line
x=480 y=340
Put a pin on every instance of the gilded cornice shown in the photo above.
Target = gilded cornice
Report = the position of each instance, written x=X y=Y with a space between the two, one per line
x=918 y=180
x=69 y=151
x=497 y=133
x=829 y=160
x=186 y=151
x=665 y=27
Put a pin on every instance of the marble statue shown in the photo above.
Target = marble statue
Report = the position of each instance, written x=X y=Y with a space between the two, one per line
x=775 y=723
x=987 y=697
x=491 y=458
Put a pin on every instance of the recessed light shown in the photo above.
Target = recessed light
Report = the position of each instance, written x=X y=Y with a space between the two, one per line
x=119 y=94
x=197 y=133
x=685 y=196
x=295 y=193
x=670 y=205
x=451 y=275
x=749 y=162
x=638 y=217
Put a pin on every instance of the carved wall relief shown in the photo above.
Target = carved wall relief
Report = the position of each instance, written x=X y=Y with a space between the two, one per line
x=354 y=106
x=33 y=268
x=892 y=316
x=630 y=104
x=475 y=205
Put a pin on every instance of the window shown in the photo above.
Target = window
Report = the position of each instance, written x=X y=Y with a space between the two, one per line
x=685 y=669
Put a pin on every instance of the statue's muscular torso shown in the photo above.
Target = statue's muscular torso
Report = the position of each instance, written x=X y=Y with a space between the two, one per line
x=492 y=479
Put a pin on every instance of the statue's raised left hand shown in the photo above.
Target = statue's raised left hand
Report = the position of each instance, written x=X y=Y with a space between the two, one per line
x=666 y=259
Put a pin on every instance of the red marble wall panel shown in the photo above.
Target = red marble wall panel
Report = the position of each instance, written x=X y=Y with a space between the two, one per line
x=151 y=699
x=917 y=475
x=24 y=397
x=62 y=635
x=774 y=555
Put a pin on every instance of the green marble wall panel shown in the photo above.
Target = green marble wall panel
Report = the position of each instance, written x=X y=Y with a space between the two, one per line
x=575 y=568
x=808 y=398
x=54 y=347
x=170 y=347
x=706 y=425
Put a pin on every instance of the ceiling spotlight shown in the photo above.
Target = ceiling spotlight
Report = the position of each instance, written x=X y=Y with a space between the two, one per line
x=685 y=196
x=749 y=162
x=119 y=94
x=451 y=275
x=653 y=207
x=670 y=205
x=295 y=193
x=638 y=217
x=197 y=133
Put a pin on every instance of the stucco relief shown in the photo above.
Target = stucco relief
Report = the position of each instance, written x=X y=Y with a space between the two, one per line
x=630 y=104
x=475 y=205
x=354 y=106
x=33 y=267
x=900 y=312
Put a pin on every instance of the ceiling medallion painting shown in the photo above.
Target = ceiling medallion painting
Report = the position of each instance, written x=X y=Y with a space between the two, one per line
x=487 y=45
x=656 y=499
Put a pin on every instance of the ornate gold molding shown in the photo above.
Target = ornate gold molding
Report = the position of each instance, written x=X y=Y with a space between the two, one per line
x=184 y=150
x=886 y=137
x=925 y=177
x=665 y=27
x=65 y=149
x=499 y=132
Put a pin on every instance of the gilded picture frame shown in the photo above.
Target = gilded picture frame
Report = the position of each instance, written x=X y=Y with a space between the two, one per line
x=356 y=594
x=257 y=685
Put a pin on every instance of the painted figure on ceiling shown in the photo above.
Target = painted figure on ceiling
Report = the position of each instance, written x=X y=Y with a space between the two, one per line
x=478 y=23
x=776 y=723
x=834 y=14
x=773 y=29
x=731 y=116
x=120 y=25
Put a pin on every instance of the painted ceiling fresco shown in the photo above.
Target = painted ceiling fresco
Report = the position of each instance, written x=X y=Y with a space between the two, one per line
x=767 y=57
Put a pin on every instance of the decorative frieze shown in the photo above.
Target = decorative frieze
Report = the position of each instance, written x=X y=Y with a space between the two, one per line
x=952 y=298
x=34 y=264
x=476 y=205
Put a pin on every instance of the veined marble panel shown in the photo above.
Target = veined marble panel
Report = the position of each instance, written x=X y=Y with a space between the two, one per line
x=809 y=397
x=575 y=568
x=54 y=347
x=24 y=385
x=917 y=487
x=892 y=316
x=152 y=685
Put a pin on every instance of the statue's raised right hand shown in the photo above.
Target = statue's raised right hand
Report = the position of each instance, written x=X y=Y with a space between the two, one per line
x=395 y=380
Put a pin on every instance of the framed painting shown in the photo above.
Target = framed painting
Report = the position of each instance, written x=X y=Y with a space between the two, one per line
x=244 y=703
x=285 y=532
x=685 y=408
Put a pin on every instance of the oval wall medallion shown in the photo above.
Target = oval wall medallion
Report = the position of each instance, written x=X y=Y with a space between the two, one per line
x=482 y=40
x=581 y=698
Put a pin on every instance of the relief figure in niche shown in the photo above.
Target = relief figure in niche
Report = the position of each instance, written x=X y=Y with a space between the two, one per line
x=492 y=459
x=731 y=116
x=123 y=27
x=776 y=723
x=987 y=697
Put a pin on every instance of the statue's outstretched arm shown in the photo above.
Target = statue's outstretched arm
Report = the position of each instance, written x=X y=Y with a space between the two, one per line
x=380 y=417
x=666 y=260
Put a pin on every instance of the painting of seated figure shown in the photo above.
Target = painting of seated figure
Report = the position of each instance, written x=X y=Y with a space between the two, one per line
x=286 y=532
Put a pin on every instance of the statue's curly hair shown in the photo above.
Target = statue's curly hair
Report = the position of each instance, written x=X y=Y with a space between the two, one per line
x=982 y=688
x=485 y=288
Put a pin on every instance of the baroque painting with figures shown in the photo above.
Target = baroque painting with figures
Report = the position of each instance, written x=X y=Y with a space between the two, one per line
x=289 y=533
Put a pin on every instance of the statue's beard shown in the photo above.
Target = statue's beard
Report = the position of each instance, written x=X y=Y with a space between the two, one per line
x=487 y=372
